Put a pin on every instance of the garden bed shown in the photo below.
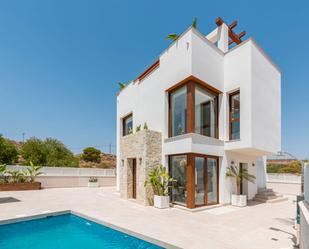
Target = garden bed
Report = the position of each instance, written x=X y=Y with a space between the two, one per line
x=20 y=186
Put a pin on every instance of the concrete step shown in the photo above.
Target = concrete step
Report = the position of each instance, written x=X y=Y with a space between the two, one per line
x=265 y=190
x=279 y=199
x=268 y=197
x=268 y=193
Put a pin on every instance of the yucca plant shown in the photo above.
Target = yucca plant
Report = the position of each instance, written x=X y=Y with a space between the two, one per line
x=34 y=171
x=160 y=180
x=238 y=174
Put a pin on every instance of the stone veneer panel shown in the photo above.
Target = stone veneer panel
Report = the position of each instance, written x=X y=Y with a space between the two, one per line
x=146 y=147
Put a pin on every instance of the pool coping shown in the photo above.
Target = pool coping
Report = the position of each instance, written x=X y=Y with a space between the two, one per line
x=98 y=221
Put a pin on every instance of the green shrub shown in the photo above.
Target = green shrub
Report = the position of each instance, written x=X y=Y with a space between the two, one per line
x=50 y=152
x=91 y=154
x=8 y=151
x=291 y=168
x=145 y=126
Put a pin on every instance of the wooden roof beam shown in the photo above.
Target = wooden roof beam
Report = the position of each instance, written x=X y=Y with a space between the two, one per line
x=233 y=25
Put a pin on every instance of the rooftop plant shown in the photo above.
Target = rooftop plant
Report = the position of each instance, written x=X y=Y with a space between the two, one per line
x=174 y=36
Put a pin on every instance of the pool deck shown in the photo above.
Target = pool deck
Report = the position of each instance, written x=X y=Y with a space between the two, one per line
x=258 y=226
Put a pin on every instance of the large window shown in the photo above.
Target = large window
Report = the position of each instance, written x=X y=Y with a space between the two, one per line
x=193 y=108
x=235 y=116
x=127 y=125
x=205 y=112
x=196 y=179
x=178 y=169
x=178 y=102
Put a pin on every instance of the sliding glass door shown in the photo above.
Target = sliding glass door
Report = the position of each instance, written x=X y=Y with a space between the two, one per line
x=206 y=180
x=212 y=181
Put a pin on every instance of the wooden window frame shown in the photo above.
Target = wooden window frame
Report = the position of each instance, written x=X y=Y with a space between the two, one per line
x=231 y=121
x=123 y=123
x=190 y=173
x=191 y=83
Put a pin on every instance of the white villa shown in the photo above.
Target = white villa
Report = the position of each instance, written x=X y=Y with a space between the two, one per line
x=209 y=101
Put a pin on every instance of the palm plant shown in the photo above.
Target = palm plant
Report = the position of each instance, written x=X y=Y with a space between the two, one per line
x=3 y=178
x=34 y=171
x=239 y=174
x=173 y=37
x=160 y=180
x=16 y=176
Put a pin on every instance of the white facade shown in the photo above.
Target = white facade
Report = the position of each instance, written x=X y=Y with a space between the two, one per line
x=246 y=68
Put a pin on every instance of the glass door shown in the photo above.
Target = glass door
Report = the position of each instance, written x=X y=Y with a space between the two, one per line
x=200 y=181
x=212 y=181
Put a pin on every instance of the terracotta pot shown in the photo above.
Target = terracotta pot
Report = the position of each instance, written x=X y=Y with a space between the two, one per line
x=20 y=186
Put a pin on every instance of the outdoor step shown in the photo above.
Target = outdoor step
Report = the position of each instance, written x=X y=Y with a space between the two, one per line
x=268 y=193
x=280 y=199
x=268 y=197
x=265 y=190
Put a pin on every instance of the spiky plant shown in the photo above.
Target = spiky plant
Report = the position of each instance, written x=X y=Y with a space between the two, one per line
x=194 y=23
x=238 y=174
x=172 y=37
x=160 y=180
x=34 y=171
x=121 y=85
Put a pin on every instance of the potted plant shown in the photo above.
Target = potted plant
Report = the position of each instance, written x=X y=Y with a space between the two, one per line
x=239 y=174
x=159 y=180
x=93 y=182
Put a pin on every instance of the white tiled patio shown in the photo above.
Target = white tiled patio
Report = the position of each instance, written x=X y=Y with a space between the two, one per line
x=263 y=226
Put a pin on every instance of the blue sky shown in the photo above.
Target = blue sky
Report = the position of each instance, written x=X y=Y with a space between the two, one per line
x=60 y=60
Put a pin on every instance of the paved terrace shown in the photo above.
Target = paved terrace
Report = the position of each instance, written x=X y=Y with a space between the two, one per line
x=263 y=226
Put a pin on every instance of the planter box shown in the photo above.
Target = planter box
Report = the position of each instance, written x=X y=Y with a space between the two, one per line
x=93 y=184
x=20 y=186
x=161 y=201
x=239 y=200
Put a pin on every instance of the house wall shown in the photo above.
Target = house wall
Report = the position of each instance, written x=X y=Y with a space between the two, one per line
x=238 y=69
x=266 y=102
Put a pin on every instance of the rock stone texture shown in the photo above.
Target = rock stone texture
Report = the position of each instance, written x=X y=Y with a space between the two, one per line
x=146 y=147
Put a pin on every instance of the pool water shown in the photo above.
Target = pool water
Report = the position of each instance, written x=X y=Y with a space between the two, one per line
x=66 y=232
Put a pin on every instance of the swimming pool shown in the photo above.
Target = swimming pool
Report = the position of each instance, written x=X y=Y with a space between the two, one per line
x=66 y=231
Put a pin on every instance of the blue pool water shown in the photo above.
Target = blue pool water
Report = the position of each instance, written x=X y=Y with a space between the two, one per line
x=66 y=232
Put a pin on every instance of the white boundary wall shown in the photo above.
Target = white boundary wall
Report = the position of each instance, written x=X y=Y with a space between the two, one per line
x=289 y=184
x=304 y=212
x=66 y=177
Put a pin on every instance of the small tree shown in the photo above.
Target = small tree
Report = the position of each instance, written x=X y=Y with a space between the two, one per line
x=8 y=151
x=239 y=174
x=159 y=180
x=34 y=150
x=91 y=154
x=145 y=126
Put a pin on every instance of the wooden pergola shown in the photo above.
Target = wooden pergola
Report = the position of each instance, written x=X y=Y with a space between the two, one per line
x=232 y=35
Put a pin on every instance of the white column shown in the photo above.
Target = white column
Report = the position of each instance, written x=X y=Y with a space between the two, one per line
x=223 y=38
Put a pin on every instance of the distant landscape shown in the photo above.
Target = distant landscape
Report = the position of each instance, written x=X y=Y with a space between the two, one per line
x=53 y=153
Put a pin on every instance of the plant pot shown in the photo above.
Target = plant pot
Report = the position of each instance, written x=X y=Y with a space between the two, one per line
x=20 y=186
x=239 y=200
x=93 y=184
x=161 y=201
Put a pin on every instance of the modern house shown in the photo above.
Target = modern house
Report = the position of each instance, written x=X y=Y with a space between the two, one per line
x=209 y=101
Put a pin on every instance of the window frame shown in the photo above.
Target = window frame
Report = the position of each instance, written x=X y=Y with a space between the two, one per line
x=190 y=115
x=190 y=178
x=231 y=120
x=123 y=123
